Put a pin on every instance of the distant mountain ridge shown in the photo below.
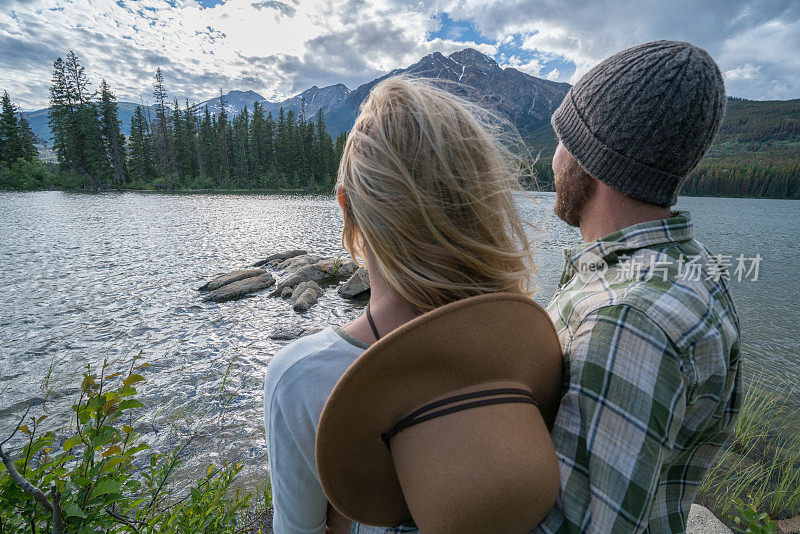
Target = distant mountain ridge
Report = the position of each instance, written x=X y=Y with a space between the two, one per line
x=526 y=100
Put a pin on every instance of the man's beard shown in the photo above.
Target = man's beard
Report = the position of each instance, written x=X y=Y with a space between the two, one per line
x=573 y=189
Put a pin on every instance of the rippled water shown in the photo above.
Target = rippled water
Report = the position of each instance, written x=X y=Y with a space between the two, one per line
x=90 y=276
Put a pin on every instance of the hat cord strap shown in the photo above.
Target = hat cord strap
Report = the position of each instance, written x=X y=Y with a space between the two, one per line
x=416 y=417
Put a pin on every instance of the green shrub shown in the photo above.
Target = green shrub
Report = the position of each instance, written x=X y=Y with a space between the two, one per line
x=25 y=175
x=90 y=475
x=749 y=520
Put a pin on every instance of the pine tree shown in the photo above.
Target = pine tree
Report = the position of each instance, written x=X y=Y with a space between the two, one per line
x=11 y=146
x=193 y=136
x=78 y=116
x=113 y=139
x=241 y=149
x=269 y=142
x=184 y=156
x=256 y=141
x=209 y=146
x=20 y=167
x=294 y=152
x=27 y=139
x=140 y=164
x=77 y=83
x=223 y=139
x=98 y=170
x=162 y=131
x=324 y=155
x=308 y=155
x=281 y=144
x=60 y=118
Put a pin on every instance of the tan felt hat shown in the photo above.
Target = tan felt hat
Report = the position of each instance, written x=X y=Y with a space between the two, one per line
x=445 y=421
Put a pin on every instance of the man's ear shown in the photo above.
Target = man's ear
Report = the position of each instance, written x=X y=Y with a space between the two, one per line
x=341 y=197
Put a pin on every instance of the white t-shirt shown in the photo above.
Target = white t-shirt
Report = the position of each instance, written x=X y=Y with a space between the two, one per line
x=299 y=380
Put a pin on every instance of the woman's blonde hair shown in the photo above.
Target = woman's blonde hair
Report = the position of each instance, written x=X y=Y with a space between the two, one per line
x=428 y=182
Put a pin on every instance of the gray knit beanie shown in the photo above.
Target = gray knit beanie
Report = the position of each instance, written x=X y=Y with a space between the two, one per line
x=641 y=120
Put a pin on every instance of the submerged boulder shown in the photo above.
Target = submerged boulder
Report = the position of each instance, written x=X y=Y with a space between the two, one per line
x=241 y=288
x=287 y=333
x=233 y=276
x=356 y=285
x=274 y=259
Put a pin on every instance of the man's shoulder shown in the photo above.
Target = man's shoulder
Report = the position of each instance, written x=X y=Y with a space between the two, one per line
x=671 y=285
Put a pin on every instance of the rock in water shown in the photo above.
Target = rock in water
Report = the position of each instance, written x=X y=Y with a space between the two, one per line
x=279 y=257
x=305 y=295
x=286 y=292
x=296 y=292
x=237 y=290
x=292 y=264
x=337 y=269
x=307 y=299
x=233 y=276
x=293 y=332
x=356 y=285
x=321 y=272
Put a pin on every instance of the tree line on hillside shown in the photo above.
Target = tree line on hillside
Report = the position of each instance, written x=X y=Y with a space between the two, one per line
x=719 y=178
x=729 y=177
x=748 y=121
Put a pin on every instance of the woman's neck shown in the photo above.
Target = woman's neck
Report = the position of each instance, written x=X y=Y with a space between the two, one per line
x=388 y=311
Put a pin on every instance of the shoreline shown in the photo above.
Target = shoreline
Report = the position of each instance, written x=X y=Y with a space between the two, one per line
x=294 y=192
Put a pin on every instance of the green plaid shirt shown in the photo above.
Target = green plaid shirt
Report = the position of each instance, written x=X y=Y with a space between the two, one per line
x=652 y=378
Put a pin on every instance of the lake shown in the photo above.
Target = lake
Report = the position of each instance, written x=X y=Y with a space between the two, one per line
x=91 y=276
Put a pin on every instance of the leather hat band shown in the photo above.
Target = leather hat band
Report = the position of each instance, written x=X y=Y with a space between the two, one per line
x=420 y=416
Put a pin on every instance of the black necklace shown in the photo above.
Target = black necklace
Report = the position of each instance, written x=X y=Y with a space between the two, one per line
x=372 y=324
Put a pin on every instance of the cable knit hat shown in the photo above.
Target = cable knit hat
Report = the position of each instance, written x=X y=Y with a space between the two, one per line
x=641 y=120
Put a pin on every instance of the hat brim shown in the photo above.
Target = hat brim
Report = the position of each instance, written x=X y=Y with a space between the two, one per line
x=499 y=336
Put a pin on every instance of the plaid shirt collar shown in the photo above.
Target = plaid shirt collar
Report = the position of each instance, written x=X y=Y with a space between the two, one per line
x=607 y=249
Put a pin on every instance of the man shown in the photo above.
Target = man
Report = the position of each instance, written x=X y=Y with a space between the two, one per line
x=649 y=330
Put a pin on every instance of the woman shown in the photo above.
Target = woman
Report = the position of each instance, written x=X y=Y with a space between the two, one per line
x=425 y=187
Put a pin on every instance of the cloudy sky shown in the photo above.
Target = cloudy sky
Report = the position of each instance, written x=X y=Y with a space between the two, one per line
x=281 y=47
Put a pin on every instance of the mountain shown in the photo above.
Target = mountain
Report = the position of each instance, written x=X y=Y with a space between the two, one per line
x=524 y=99
x=325 y=99
x=235 y=102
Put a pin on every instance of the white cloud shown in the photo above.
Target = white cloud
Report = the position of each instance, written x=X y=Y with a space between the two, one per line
x=533 y=67
x=277 y=48
x=764 y=60
x=734 y=32
x=748 y=71
x=280 y=47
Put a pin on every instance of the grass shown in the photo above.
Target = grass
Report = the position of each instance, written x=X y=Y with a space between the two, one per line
x=257 y=519
x=761 y=463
